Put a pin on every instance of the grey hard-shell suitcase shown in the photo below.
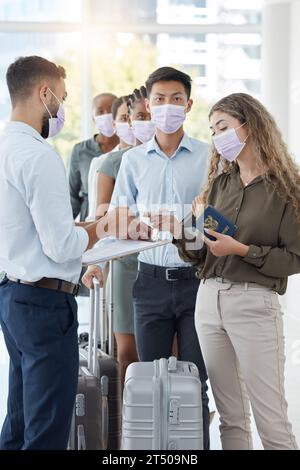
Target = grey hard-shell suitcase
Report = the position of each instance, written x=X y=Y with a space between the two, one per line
x=162 y=406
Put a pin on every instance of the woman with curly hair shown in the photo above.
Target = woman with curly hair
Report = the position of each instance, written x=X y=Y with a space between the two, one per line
x=254 y=182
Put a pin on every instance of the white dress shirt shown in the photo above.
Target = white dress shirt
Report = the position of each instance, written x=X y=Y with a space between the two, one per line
x=38 y=237
x=92 y=186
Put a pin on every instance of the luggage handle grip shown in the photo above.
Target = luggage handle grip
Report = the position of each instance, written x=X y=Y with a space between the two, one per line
x=172 y=364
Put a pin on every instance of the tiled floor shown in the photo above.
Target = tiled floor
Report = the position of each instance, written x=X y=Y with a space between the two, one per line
x=290 y=303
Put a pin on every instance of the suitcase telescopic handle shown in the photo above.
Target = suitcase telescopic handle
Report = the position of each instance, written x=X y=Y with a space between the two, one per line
x=94 y=328
x=91 y=324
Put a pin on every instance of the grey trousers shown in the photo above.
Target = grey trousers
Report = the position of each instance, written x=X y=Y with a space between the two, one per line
x=240 y=330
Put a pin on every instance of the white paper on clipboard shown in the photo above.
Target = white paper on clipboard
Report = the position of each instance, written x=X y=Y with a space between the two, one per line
x=112 y=248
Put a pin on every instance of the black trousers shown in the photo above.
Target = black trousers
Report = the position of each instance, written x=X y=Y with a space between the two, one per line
x=162 y=309
x=40 y=332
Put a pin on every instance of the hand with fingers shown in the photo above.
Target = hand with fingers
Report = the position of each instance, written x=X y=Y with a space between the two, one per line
x=224 y=245
x=123 y=224
x=165 y=221
x=197 y=206
x=91 y=273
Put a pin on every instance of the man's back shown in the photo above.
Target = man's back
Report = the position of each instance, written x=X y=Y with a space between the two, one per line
x=35 y=213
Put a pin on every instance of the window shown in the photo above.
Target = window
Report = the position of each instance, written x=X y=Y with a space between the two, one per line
x=40 y=10
x=62 y=48
x=113 y=45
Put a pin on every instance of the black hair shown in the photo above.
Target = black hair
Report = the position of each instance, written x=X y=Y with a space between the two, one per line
x=167 y=74
x=138 y=95
x=116 y=105
x=26 y=72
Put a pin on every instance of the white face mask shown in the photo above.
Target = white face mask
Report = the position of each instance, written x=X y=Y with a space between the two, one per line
x=55 y=123
x=104 y=124
x=228 y=144
x=143 y=130
x=168 y=117
x=124 y=132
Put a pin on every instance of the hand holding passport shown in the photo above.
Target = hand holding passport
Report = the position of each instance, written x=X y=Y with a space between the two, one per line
x=212 y=219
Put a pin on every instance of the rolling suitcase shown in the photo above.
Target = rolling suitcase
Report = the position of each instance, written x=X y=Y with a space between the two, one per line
x=162 y=406
x=97 y=416
x=89 y=427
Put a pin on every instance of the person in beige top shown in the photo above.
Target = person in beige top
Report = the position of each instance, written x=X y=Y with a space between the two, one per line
x=254 y=182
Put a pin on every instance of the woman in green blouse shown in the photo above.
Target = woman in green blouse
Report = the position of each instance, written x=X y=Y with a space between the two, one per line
x=253 y=182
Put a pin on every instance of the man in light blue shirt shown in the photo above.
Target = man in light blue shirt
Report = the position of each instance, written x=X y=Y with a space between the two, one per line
x=40 y=251
x=166 y=174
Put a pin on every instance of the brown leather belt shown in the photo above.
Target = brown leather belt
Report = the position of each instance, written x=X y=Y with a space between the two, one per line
x=49 y=283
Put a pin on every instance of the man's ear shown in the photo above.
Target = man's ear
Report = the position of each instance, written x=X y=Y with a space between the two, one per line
x=147 y=105
x=189 y=105
x=43 y=92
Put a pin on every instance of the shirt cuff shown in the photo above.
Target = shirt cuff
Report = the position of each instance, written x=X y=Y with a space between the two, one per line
x=254 y=255
x=83 y=238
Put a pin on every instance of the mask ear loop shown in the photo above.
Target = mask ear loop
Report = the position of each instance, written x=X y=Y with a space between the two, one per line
x=54 y=96
x=47 y=109
x=240 y=127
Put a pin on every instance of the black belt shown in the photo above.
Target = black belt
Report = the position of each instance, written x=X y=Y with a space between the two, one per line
x=49 y=283
x=169 y=274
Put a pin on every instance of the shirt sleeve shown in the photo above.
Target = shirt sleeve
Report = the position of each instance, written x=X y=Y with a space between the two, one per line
x=190 y=248
x=125 y=191
x=283 y=260
x=107 y=167
x=75 y=182
x=48 y=201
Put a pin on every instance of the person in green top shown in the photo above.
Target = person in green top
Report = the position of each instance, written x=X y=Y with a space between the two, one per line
x=125 y=270
x=254 y=182
x=85 y=151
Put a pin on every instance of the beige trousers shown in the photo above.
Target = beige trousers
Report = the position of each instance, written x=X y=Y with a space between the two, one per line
x=240 y=330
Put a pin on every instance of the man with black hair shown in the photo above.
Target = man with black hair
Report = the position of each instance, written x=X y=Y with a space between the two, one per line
x=165 y=173
x=84 y=152
x=40 y=250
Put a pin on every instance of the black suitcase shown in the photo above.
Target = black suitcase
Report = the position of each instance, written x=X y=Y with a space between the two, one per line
x=96 y=421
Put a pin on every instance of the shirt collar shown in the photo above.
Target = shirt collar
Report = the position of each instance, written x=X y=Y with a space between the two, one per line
x=152 y=145
x=22 y=127
x=235 y=171
x=94 y=144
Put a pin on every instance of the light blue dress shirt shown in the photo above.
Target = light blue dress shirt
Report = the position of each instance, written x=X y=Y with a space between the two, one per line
x=38 y=237
x=148 y=180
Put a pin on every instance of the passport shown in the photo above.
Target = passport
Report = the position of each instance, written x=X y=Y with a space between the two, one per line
x=212 y=219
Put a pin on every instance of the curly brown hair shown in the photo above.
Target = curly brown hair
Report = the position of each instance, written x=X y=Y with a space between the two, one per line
x=283 y=174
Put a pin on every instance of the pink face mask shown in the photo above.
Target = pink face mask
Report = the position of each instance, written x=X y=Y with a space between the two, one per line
x=228 y=144
x=125 y=133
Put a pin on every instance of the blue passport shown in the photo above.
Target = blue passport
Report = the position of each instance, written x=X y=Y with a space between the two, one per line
x=214 y=220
